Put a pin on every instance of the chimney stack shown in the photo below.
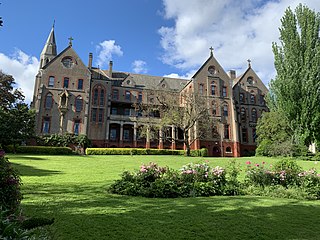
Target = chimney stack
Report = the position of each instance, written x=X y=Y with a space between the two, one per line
x=90 y=61
x=110 y=69
x=232 y=74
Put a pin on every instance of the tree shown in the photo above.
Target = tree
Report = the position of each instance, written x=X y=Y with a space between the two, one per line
x=295 y=92
x=187 y=111
x=8 y=95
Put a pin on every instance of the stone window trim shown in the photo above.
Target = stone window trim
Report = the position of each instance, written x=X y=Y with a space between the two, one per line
x=51 y=81
x=127 y=94
x=244 y=135
x=225 y=110
x=48 y=97
x=254 y=115
x=98 y=95
x=78 y=108
x=115 y=94
x=45 y=120
x=213 y=88
x=140 y=96
x=224 y=91
x=201 y=88
x=66 y=82
x=75 y=122
x=80 y=84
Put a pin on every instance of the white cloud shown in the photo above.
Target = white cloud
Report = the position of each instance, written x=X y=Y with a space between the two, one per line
x=23 y=68
x=105 y=51
x=188 y=75
x=139 y=66
x=238 y=30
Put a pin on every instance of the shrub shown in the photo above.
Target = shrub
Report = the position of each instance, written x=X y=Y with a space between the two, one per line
x=44 y=150
x=10 y=195
x=154 y=181
x=233 y=186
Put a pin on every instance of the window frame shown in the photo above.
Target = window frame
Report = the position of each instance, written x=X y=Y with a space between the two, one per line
x=80 y=86
x=50 y=83
x=79 y=97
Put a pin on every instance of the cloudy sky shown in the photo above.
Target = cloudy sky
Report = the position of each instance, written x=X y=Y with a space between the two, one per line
x=162 y=38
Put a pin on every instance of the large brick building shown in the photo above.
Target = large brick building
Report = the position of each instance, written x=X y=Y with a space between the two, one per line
x=70 y=96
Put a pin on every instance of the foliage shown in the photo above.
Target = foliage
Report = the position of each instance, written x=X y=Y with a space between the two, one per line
x=44 y=150
x=21 y=127
x=10 y=194
x=154 y=181
x=64 y=140
x=295 y=92
x=143 y=151
x=234 y=187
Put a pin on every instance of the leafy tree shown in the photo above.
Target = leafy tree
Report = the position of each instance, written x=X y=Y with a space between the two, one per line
x=295 y=92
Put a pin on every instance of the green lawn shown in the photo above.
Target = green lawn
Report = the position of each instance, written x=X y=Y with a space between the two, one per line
x=72 y=189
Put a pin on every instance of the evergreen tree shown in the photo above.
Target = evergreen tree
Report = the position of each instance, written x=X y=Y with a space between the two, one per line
x=296 y=89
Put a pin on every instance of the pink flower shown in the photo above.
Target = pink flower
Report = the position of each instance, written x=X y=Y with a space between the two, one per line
x=263 y=162
x=248 y=162
x=257 y=165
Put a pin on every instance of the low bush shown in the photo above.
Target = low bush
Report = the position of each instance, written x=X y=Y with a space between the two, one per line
x=154 y=181
x=143 y=151
x=44 y=150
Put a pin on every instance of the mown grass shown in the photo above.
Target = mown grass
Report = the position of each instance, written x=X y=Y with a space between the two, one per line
x=72 y=189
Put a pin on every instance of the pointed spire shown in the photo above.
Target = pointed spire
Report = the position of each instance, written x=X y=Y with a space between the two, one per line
x=49 y=50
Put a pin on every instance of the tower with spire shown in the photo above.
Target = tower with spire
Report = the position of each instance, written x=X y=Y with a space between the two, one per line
x=49 y=50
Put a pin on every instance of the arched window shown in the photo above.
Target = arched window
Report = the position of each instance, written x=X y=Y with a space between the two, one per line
x=225 y=110
x=241 y=98
x=243 y=114
x=79 y=104
x=228 y=150
x=213 y=88
x=201 y=88
x=252 y=97
x=98 y=98
x=254 y=115
x=95 y=96
x=224 y=91
x=101 y=102
x=48 y=101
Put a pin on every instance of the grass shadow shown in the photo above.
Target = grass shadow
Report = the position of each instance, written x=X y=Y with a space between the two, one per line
x=26 y=170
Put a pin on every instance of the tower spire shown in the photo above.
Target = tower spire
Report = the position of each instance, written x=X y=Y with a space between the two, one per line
x=49 y=50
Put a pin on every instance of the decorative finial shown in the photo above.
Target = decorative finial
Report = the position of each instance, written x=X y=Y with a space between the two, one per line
x=70 y=41
x=211 y=51
x=249 y=63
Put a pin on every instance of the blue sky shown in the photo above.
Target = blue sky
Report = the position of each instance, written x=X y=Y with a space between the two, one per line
x=156 y=37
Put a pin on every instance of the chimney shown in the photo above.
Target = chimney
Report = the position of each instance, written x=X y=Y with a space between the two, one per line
x=110 y=69
x=90 y=61
x=232 y=74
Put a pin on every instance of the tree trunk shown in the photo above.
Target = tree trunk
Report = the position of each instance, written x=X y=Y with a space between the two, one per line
x=186 y=142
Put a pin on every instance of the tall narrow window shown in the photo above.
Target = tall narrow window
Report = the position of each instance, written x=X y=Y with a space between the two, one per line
x=225 y=111
x=127 y=111
x=201 y=89
x=241 y=98
x=254 y=115
x=213 y=89
x=46 y=125
x=243 y=114
x=95 y=96
x=94 y=115
x=254 y=135
x=101 y=97
x=115 y=94
x=113 y=134
x=66 y=82
x=48 y=101
x=140 y=97
x=80 y=84
x=252 y=98
x=114 y=111
x=226 y=132
x=100 y=116
x=51 y=81
x=214 y=109
x=128 y=95
x=244 y=135
x=79 y=104
x=126 y=134
x=224 y=91
x=76 y=127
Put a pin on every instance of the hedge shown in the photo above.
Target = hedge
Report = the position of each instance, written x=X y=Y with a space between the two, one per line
x=44 y=150
x=143 y=151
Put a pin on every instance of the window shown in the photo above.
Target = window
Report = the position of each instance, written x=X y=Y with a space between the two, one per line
x=254 y=135
x=226 y=132
x=243 y=114
x=252 y=98
x=254 y=115
x=94 y=115
x=113 y=134
x=213 y=89
x=215 y=133
x=67 y=62
x=79 y=104
x=140 y=97
x=225 y=110
x=250 y=80
x=214 y=109
x=262 y=101
x=101 y=102
x=114 y=111
x=241 y=98
x=211 y=70
x=51 y=81
x=128 y=95
x=126 y=134
x=46 y=125
x=224 y=91
x=48 y=101
x=66 y=82
x=76 y=127
x=201 y=89
x=244 y=135
x=127 y=111
x=80 y=84
x=100 y=116
x=228 y=150
x=115 y=94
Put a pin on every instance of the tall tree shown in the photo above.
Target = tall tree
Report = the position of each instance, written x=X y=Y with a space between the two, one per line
x=296 y=89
